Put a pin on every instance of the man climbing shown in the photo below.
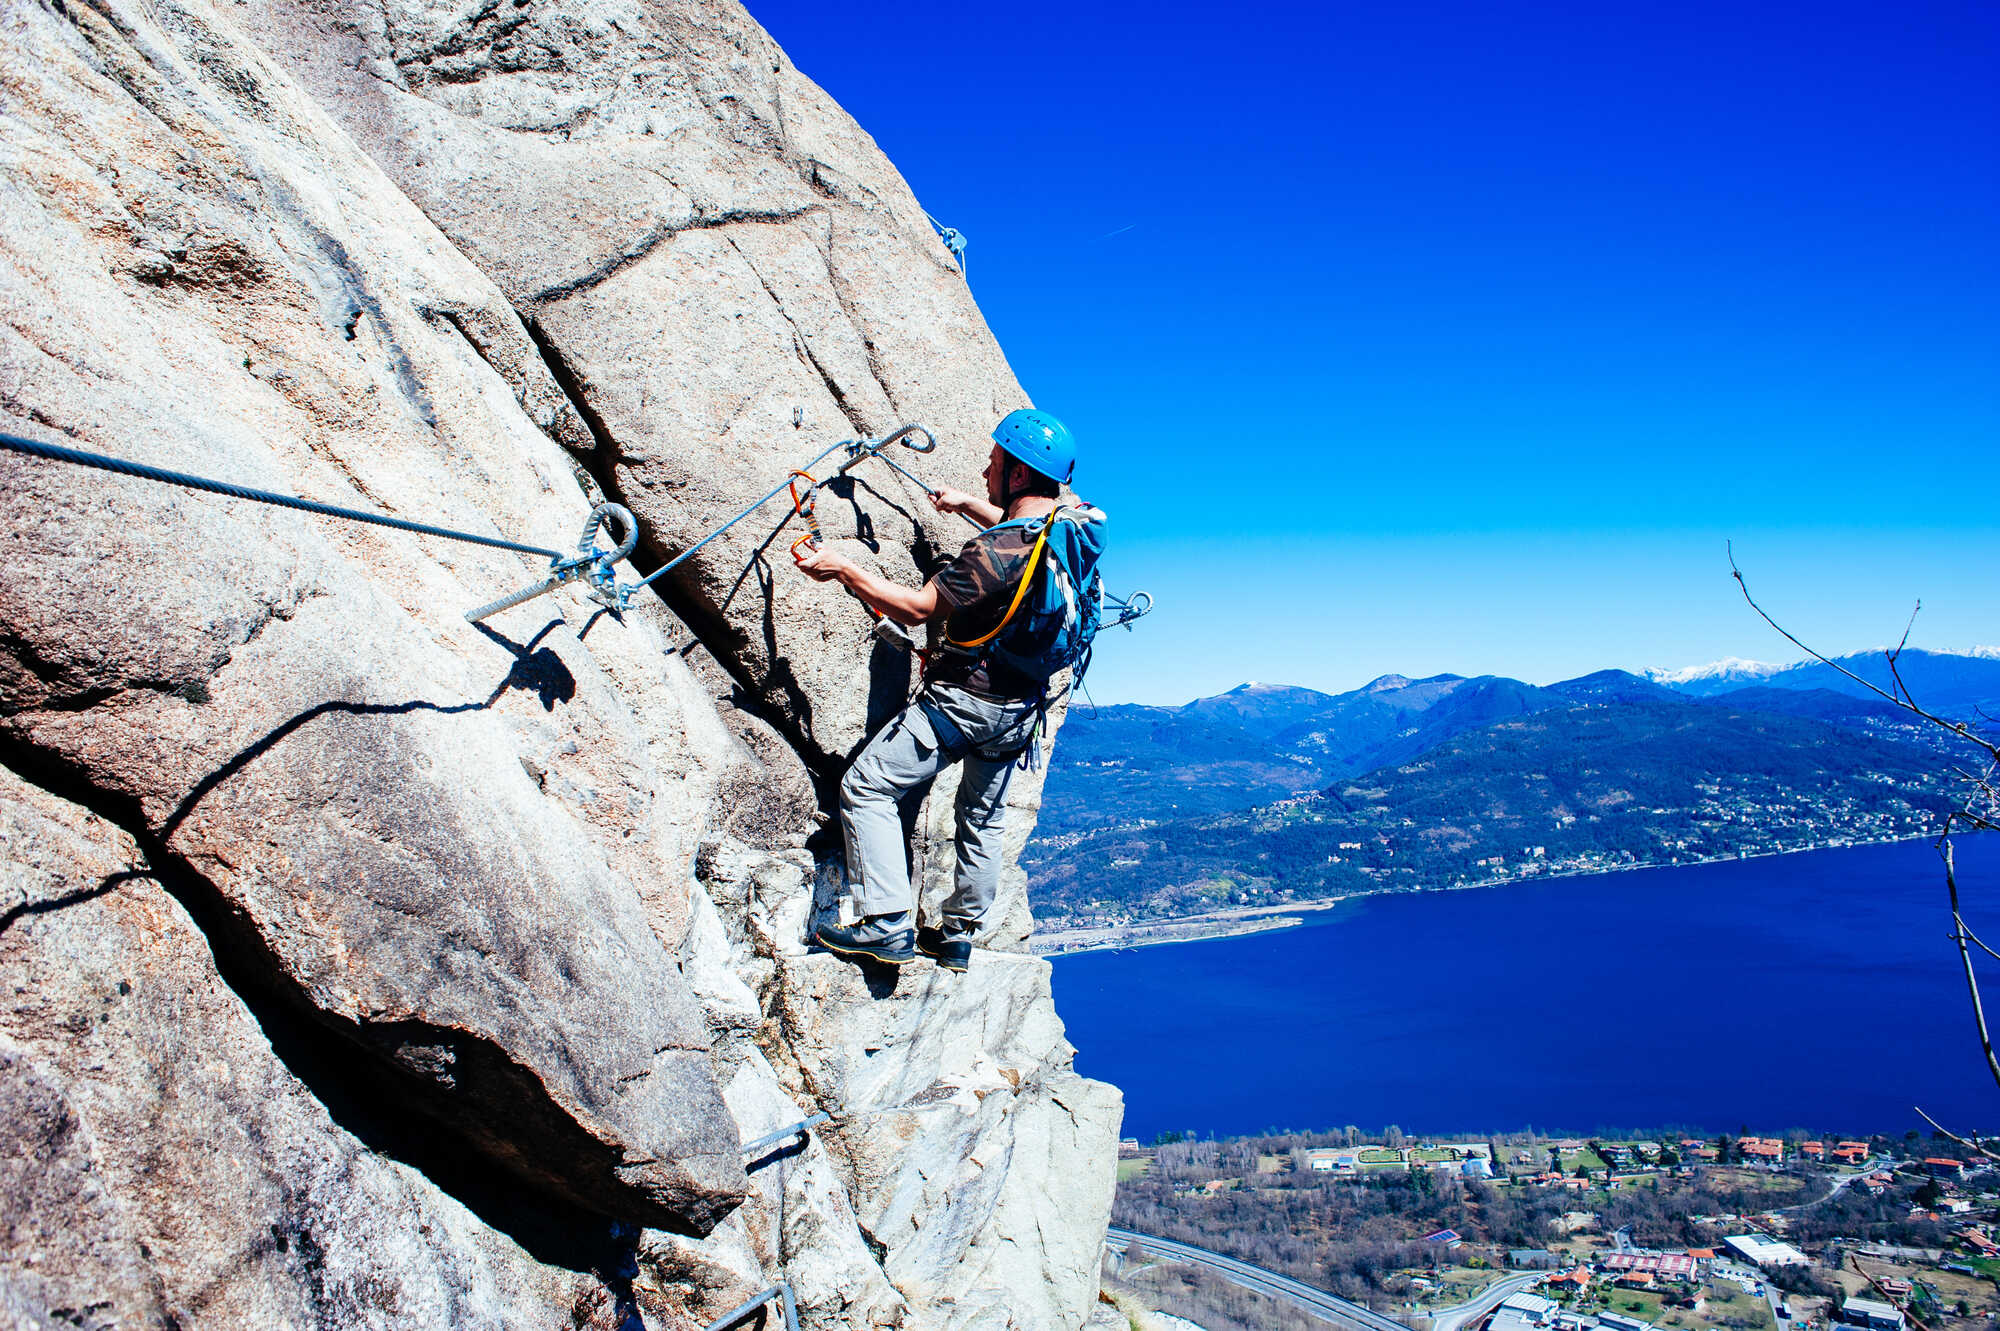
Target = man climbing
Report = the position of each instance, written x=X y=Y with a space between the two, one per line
x=975 y=706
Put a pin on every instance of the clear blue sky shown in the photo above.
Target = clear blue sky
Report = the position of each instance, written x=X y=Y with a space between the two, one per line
x=1461 y=336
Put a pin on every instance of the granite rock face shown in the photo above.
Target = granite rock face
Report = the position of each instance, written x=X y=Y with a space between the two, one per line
x=294 y=714
x=365 y=967
x=724 y=269
x=161 y=1162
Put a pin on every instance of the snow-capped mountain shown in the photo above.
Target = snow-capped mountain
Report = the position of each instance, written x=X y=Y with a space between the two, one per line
x=1731 y=672
x=1955 y=684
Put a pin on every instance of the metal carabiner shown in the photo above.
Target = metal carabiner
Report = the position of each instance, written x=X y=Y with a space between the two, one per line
x=805 y=507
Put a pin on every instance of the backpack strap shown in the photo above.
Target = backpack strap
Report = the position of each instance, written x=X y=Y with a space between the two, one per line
x=1020 y=592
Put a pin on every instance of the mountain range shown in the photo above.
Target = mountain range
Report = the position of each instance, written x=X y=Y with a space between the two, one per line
x=1951 y=683
x=1255 y=787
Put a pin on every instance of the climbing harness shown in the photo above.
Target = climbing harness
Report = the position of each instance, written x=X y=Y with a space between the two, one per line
x=589 y=564
x=1063 y=620
x=954 y=240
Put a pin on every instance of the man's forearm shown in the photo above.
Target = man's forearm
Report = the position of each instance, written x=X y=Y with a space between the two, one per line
x=983 y=513
x=905 y=605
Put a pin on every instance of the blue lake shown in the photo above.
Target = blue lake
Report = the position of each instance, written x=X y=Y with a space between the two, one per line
x=1816 y=990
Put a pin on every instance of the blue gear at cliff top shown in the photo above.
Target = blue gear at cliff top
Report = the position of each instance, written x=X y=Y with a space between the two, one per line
x=1038 y=440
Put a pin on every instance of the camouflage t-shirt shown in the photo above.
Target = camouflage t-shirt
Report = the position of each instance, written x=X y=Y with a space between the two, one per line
x=975 y=589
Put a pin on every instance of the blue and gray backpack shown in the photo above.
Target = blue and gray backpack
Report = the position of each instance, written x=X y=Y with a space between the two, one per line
x=1053 y=619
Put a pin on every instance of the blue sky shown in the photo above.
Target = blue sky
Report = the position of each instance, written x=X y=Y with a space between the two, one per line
x=1461 y=337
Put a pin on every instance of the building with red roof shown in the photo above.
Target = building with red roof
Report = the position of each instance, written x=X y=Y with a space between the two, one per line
x=1674 y=1265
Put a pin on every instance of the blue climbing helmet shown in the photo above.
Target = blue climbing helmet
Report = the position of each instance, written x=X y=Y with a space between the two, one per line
x=1038 y=440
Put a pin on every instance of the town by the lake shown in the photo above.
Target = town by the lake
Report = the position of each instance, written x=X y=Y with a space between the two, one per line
x=1528 y=1233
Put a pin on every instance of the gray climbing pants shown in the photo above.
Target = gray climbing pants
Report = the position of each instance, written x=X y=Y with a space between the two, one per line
x=945 y=725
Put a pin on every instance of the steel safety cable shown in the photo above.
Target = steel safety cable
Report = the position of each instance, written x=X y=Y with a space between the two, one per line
x=119 y=466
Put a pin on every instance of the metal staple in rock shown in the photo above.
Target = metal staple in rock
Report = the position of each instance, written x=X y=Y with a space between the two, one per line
x=753 y=1149
x=782 y=1290
x=954 y=240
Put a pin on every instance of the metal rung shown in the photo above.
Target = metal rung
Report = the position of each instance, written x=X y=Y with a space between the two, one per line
x=781 y=1290
x=770 y=1139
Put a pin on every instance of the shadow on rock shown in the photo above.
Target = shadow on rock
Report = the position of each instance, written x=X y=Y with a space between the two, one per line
x=541 y=671
x=536 y=670
x=881 y=980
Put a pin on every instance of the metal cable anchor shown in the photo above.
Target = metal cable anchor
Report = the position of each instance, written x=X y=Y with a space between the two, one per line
x=1136 y=606
x=589 y=565
x=860 y=450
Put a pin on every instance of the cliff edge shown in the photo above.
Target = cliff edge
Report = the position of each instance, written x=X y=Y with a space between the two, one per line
x=367 y=967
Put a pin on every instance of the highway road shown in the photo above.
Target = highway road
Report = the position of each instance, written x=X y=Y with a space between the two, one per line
x=1318 y=1302
x=1463 y=1314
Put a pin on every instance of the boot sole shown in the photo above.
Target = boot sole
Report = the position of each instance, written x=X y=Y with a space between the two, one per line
x=863 y=954
x=947 y=963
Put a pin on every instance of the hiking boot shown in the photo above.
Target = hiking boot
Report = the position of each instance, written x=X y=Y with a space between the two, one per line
x=953 y=951
x=868 y=940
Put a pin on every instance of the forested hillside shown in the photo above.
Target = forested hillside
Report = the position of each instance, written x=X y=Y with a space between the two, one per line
x=1572 y=787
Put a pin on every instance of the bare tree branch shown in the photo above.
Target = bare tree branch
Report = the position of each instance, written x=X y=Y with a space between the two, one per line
x=1958 y=728
x=1945 y=1132
x=1906 y=632
x=1976 y=940
x=1982 y=798
x=1895 y=672
x=1959 y=935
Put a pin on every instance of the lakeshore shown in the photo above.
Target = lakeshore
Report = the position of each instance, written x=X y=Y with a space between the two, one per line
x=1749 y=979
x=1187 y=929
x=1240 y=921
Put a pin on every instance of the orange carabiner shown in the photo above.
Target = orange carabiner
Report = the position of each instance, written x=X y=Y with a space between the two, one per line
x=802 y=504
